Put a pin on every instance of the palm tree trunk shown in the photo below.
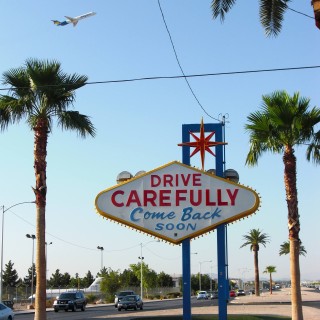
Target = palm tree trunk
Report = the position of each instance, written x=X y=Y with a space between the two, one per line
x=40 y=165
x=270 y=283
x=296 y=300
x=290 y=182
x=256 y=272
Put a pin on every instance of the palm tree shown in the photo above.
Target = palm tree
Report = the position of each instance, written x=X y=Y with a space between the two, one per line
x=270 y=270
x=271 y=13
x=254 y=238
x=39 y=93
x=283 y=123
x=285 y=249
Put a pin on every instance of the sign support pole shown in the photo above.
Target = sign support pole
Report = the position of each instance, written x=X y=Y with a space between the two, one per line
x=186 y=278
x=223 y=283
x=186 y=269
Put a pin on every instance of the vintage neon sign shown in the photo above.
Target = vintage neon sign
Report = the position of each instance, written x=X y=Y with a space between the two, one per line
x=176 y=201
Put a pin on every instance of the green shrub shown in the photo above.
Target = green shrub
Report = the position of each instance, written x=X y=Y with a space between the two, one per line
x=91 y=298
x=173 y=295
x=109 y=297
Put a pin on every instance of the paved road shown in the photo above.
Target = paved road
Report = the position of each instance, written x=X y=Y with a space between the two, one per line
x=276 y=304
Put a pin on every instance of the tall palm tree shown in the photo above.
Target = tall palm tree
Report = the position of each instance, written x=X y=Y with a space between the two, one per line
x=285 y=249
x=270 y=270
x=282 y=123
x=39 y=93
x=254 y=238
x=271 y=13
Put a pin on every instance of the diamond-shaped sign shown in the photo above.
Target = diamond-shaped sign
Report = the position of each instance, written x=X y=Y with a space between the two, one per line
x=176 y=201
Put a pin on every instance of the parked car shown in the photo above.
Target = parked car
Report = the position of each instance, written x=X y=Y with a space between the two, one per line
x=120 y=295
x=232 y=293
x=130 y=302
x=71 y=300
x=241 y=292
x=8 y=303
x=6 y=312
x=202 y=295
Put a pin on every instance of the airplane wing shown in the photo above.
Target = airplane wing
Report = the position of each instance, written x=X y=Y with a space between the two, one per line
x=74 y=21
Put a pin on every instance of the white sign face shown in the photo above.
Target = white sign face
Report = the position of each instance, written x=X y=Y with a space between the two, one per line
x=176 y=201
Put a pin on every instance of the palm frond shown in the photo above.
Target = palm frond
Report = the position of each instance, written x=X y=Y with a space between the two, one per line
x=73 y=120
x=285 y=249
x=221 y=7
x=12 y=110
x=283 y=121
x=313 y=150
x=41 y=90
x=270 y=269
x=255 y=237
x=271 y=15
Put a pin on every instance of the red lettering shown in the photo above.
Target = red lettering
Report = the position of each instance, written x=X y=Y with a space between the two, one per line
x=233 y=195
x=133 y=198
x=149 y=196
x=208 y=201
x=180 y=197
x=164 y=195
x=167 y=180
x=197 y=180
x=155 y=180
x=113 y=198
x=219 y=196
x=185 y=181
x=192 y=197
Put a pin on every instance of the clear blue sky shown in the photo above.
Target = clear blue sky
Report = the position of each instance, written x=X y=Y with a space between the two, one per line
x=139 y=125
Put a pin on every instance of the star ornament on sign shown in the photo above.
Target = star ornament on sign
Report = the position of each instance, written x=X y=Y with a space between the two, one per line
x=202 y=144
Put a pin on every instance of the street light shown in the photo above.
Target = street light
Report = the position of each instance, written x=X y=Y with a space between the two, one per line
x=101 y=249
x=141 y=265
x=47 y=244
x=3 y=212
x=200 y=263
x=141 y=273
x=211 y=277
x=32 y=236
x=244 y=271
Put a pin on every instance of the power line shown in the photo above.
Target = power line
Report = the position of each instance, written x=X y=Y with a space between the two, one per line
x=178 y=77
x=72 y=243
x=303 y=14
x=179 y=64
x=204 y=75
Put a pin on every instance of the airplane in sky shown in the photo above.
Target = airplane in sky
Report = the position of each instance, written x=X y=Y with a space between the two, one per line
x=74 y=20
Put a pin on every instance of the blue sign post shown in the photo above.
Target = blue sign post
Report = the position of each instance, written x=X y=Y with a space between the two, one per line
x=223 y=286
